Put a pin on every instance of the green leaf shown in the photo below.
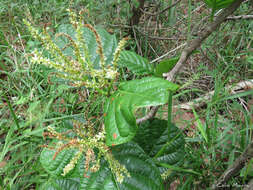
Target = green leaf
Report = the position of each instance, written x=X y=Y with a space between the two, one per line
x=134 y=62
x=200 y=125
x=55 y=167
x=153 y=137
x=143 y=171
x=165 y=66
x=109 y=43
x=100 y=180
x=218 y=4
x=149 y=132
x=178 y=169
x=61 y=184
x=120 y=122
x=144 y=174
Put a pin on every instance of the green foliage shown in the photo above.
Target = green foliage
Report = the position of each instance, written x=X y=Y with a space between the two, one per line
x=37 y=98
x=165 y=66
x=109 y=43
x=216 y=5
x=120 y=122
x=137 y=64
x=61 y=184
x=200 y=126
x=153 y=137
x=83 y=55
x=55 y=166
x=144 y=175
x=89 y=57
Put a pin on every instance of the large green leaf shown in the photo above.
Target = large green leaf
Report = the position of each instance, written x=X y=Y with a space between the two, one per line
x=61 y=184
x=100 y=180
x=134 y=62
x=143 y=171
x=109 y=43
x=144 y=174
x=120 y=122
x=55 y=166
x=153 y=135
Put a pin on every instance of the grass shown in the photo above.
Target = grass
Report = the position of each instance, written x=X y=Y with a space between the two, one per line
x=30 y=98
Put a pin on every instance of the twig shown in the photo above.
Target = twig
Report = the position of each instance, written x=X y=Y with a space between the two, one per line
x=194 y=44
x=190 y=47
x=235 y=168
x=166 y=54
x=196 y=103
x=239 y=17
x=150 y=115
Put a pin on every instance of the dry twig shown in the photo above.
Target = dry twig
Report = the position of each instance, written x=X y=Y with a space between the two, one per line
x=239 y=17
x=202 y=100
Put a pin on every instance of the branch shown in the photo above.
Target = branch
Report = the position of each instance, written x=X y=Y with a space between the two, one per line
x=150 y=115
x=235 y=168
x=196 y=103
x=240 y=17
x=168 y=53
x=191 y=46
x=194 y=44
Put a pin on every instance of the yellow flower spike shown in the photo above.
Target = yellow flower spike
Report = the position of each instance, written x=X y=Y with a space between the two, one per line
x=119 y=48
x=78 y=68
x=99 y=43
x=74 y=44
x=71 y=165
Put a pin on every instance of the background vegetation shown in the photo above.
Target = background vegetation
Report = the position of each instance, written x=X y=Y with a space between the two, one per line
x=30 y=98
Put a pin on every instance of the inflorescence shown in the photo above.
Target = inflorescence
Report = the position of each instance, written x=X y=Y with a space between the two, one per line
x=81 y=72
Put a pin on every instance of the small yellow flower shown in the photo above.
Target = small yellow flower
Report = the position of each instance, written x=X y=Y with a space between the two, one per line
x=71 y=165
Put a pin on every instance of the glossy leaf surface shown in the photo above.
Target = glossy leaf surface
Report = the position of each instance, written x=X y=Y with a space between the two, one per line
x=152 y=136
x=120 y=121
x=143 y=171
x=135 y=63
x=61 y=184
x=55 y=166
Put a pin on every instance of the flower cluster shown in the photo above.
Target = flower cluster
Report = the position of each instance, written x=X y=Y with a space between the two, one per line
x=80 y=71
x=77 y=68
x=85 y=146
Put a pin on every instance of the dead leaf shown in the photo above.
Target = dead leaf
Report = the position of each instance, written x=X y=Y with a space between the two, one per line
x=3 y=164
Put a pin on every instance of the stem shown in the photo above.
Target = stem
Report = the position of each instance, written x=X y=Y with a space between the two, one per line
x=161 y=151
x=169 y=112
x=12 y=112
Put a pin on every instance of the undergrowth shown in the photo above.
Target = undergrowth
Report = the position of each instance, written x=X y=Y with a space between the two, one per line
x=31 y=97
